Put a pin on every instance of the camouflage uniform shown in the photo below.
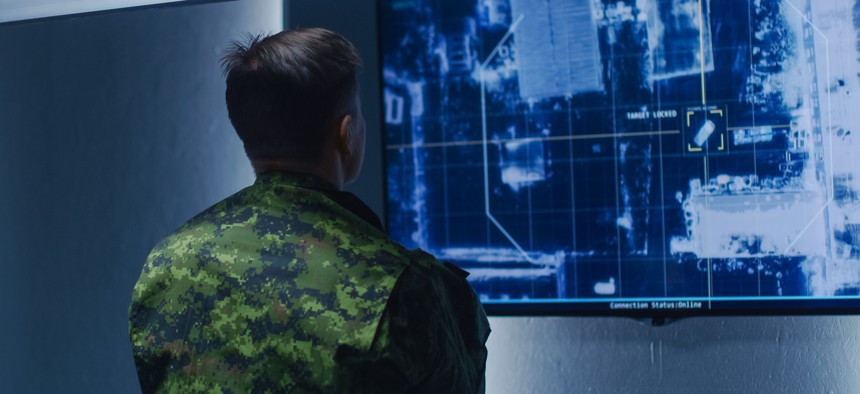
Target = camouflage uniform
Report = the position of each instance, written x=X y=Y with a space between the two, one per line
x=286 y=286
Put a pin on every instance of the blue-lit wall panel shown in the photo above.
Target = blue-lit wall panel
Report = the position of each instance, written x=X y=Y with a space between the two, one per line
x=22 y=10
x=113 y=131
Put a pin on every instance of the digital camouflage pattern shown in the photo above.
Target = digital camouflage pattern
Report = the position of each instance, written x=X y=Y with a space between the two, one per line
x=279 y=288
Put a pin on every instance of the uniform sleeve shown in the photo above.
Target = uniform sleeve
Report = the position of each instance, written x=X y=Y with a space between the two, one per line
x=431 y=338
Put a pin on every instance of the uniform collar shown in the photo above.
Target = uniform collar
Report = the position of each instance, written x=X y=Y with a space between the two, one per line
x=347 y=200
x=294 y=178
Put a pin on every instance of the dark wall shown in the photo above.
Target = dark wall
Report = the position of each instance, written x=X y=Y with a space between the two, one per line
x=113 y=132
x=613 y=355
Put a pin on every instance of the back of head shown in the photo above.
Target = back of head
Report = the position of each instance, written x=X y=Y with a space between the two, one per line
x=285 y=91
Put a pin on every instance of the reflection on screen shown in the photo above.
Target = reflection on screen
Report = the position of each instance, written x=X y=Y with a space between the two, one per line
x=648 y=154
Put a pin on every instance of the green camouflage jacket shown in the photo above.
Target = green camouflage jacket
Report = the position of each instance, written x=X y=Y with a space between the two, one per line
x=290 y=286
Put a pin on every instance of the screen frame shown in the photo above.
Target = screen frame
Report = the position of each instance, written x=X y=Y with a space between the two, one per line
x=801 y=306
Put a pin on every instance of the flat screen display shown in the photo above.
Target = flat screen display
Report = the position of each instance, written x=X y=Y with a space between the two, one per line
x=643 y=158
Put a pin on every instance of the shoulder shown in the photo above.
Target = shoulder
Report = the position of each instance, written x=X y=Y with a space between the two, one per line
x=426 y=275
x=452 y=294
x=431 y=336
x=176 y=258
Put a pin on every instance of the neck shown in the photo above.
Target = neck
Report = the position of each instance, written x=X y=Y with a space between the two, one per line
x=329 y=170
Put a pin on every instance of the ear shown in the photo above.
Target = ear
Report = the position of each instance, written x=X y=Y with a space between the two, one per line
x=344 y=135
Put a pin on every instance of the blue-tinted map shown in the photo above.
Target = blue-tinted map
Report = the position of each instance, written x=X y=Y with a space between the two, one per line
x=587 y=150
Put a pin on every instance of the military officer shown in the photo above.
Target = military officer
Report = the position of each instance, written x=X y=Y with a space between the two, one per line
x=291 y=284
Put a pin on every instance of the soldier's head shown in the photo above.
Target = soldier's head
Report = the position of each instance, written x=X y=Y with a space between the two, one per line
x=293 y=99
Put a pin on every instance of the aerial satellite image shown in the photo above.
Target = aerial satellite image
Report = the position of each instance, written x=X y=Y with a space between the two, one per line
x=588 y=150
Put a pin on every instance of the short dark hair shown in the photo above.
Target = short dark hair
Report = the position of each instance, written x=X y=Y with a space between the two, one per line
x=285 y=90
